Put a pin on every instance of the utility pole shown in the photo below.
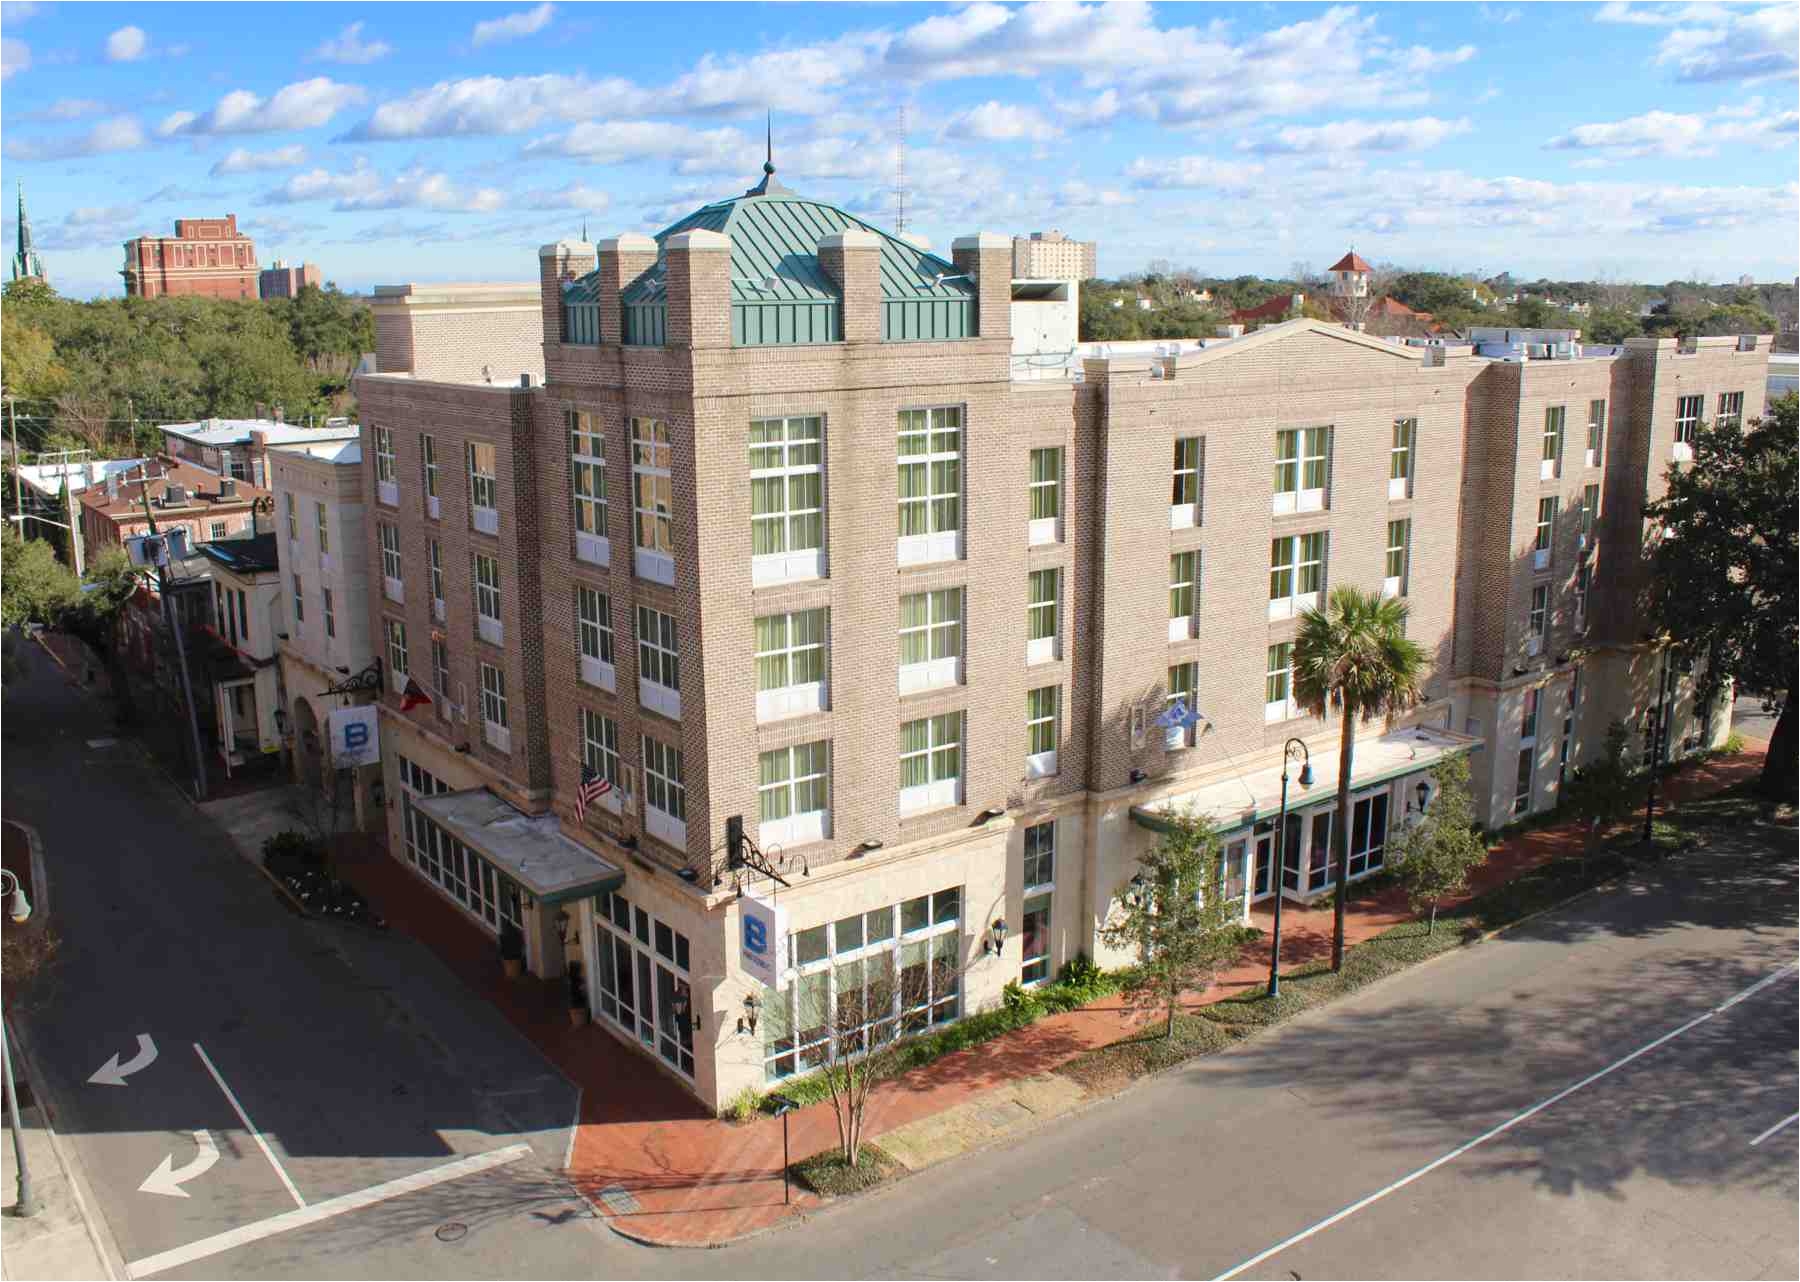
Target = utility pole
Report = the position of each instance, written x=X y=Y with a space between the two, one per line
x=12 y=407
x=173 y=619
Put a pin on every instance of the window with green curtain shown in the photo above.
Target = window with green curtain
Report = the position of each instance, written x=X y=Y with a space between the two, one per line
x=1040 y=614
x=809 y=761
x=1281 y=568
x=931 y=625
x=1314 y=460
x=1046 y=484
x=787 y=485
x=1279 y=671
x=1287 y=461
x=771 y=652
x=1312 y=562
x=915 y=753
x=1040 y=718
x=1182 y=578
x=774 y=796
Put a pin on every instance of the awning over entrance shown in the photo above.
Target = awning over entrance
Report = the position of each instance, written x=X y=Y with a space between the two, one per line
x=1235 y=802
x=531 y=850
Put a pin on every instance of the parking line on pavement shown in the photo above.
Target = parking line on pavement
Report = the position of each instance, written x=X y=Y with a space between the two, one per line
x=1786 y=1121
x=255 y=1134
x=220 y=1242
x=1507 y=1125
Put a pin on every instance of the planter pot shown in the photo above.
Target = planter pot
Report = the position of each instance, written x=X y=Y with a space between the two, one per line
x=578 y=1015
x=513 y=967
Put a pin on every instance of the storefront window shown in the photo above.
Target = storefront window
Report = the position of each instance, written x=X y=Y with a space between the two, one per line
x=640 y=963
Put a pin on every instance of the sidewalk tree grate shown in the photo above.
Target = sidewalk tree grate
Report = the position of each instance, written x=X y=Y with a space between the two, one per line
x=619 y=1201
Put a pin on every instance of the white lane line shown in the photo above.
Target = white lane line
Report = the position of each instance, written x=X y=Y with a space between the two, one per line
x=287 y=1220
x=250 y=1126
x=1786 y=1121
x=574 y=1132
x=1505 y=1126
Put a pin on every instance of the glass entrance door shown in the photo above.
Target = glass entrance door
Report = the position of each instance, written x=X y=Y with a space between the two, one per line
x=1263 y=884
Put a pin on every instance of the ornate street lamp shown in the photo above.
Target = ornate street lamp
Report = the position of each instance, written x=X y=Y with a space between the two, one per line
x=1280 y=869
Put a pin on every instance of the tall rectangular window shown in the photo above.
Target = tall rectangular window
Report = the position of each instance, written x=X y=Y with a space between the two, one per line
x=384 y=456
x=428 y=461
x=1731 y=410
x=1040 y=855
x=1039 y=885
x=1184 y=594
x=323 y=528
x=493 y=707
x=1687 y=418
x=1400 y=458
x=1042 y=614
x=1528 y=719
x=1554 y=417
x=593 y=624
x=1546 y=529
x=1540 y=610
x=659 y=648
x=1278 y=689
x=1522 y=788
x=437 y=579
x=1302 y=467
x=790 y=664
x=484 y=501
x=787 y=498
x=1596 y=433
x=299 y=602
x=389 y=536
x=792 y=793
x=930 y=470
x=587 y=478
x=1590 y=512
x=931 y=641
x=487 y=598
x=329 y=614
x=931 y=763
x=1189 y=481
x=396 y=647
x=1045 y=496
x=652 y=500
x=1296 y=573
x=1399 y=557
x=1583 y=581
x=600 y=749
x=664 y=788
x=1041 y=707
x=293 y=522
x=1184 y=681
x=440 y=673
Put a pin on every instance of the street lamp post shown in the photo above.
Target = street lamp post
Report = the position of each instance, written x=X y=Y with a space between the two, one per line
x=19 y=910
x=1280 y=868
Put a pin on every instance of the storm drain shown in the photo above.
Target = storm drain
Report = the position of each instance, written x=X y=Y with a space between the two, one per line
x=618 y=1200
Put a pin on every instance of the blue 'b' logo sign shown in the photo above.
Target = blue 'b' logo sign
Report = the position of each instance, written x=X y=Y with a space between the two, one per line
x=356 y=735
x=756 y=936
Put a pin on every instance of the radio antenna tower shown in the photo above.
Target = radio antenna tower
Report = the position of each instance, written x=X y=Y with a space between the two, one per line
x=900 y=176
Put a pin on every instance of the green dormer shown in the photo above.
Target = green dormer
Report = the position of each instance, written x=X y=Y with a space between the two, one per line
x=780 y=294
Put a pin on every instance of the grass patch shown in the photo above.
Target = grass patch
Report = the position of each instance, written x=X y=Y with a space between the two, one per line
x=828 y=1175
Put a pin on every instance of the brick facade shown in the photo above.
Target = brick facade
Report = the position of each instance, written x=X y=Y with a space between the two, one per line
x=205 y=257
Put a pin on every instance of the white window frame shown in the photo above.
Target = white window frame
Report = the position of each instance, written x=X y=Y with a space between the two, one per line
x=659 y=662
x=1038 y=843
x=1295 y=472
x=931 y=518
x=1583 y=584
x=1042 y=726
x=438 y=607
x=322 y=529
x=938 y=788
x=791 y=698
x=790 y=454
x=1295 y=567
x=1556 y=422
x=1044 y=495
x=1398 y=566
x=1184 y=685
x=329 y=615
x=600 y=754
x=1187 y=486
x=299 y=604
x=1279 y=703
x=1401 y=456
x=1731 y=410
x=293 y=524
x=1184 y=624
x=395 y=630
x=484 y=487
x=1596 y=432
x=652 y=500
x=393 y=586
x=1524 y=781
x=1530 y=708
x=1537 y=623
x=1543 y=542
x=387 y=486
x=1590 y=514
x=487 y=600
x=1687 y=425
x=428 y=467
x=794 y=826
x=496 y=730
x=1043 y=618
x=587 y=484
x=594 y=637
x=440 y=673
x=935 y=670
x=665 y=793
x=219 y=530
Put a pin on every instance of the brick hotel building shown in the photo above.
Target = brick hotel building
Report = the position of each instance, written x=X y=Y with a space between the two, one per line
x=766 y=528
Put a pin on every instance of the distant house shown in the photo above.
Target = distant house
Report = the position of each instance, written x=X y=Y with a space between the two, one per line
x=1270 y=312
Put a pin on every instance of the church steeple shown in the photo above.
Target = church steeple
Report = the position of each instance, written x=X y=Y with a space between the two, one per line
x=26 y=264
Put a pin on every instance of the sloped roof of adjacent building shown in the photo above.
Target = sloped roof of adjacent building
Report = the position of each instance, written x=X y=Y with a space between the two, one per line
x=1350 y=263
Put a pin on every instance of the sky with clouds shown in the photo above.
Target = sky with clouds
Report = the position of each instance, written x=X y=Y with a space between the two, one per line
x=392 y=142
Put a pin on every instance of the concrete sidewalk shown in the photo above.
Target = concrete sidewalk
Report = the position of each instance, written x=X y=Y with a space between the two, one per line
x=666 y=1173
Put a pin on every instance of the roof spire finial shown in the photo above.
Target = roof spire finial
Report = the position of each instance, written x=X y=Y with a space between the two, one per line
x=769 y=144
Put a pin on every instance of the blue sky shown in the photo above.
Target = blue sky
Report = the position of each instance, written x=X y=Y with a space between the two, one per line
x=447 y=141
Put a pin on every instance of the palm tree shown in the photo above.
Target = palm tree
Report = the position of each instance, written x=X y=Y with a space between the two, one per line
x=1354 y=658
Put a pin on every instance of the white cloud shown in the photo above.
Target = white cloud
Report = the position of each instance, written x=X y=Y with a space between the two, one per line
x=495 y=105
x=16 y=11
x=15 y=56
x=1664 y=133
x=1204 y=172
x=1359 y=135
x=301 y=105
x=127 y=44
x=361 y=187
x=1708 y=43
x=349 y=46
x=993 y=121
x=241 y=160
x=788 y=80
x=575 y=195
x=1493 y=13
x=1076 y=194
x=527 y=22
x=120 y=133
x=1102 y=109
x=70 y=109
x=615 y=142
x=1420 y=61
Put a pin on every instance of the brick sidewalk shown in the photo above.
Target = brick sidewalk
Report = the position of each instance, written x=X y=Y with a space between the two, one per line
x=701 y=1181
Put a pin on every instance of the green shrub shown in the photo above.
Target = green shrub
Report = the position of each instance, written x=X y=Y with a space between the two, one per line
x=744 y=1105
x=1015 y=998
x=830 y=1176
x=290 y=852
x=1734 y=743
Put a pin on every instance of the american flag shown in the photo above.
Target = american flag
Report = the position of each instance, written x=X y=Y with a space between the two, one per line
x=593 y=787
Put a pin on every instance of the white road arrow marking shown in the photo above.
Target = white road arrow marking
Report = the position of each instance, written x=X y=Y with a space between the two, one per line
x=166 y=1180
x=113 y=1073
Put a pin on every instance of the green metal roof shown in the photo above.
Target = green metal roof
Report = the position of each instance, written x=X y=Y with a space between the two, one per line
x=779 y=291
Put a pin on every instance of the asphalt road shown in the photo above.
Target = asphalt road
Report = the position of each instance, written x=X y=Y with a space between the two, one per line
x=1647 y=1169
x=358 y=1060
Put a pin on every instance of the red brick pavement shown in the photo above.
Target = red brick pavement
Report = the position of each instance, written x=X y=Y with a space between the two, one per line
x=702 y=1181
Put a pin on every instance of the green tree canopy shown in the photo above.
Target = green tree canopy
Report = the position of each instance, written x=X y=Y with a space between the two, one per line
x=34 y=586
x=1436 y=855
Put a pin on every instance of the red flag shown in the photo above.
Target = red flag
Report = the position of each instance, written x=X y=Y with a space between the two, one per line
x=412 y=696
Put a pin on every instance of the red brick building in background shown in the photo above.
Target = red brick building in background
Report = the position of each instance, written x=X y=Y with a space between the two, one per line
x=205 y=256
x=279 y=280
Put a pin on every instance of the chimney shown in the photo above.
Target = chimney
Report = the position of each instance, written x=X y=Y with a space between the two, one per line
x=622 y=260
x=852 y=258
x=227 y=488
x=699 y=289
x=987 y=259
x=564 y=261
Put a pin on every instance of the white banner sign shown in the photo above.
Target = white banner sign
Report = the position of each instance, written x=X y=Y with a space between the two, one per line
x=355 y=738
x=762 y=940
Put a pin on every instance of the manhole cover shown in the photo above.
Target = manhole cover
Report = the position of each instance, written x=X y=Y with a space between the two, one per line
x=618 y=1200
x=453 y=1231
